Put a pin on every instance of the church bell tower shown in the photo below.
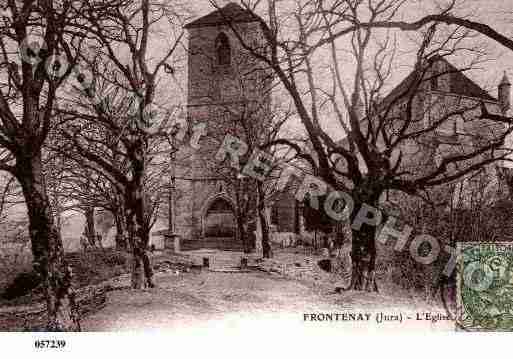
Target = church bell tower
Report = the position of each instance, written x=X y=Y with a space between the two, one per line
x=223 y=78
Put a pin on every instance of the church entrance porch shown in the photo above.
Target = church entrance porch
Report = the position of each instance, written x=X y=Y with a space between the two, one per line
x=219 y=219
x=218 y=227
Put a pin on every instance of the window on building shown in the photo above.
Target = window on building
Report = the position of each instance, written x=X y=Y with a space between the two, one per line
x=438 y=157
x=452 y=127
x=275 y=214
x=434 y=82
x=459 y=126
x=461 y=194
x=223 y=51
x=403 y=107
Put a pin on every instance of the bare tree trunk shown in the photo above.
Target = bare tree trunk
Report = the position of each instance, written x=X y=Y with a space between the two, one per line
x=241 y=236
x=138 y=234
x=142 y=242
x=264 y=226
x=341 y=236
x=121 y=230
x=90 y=231
x=47 y=249
x=363 y=247
x=363 y=257
x=239 y=219
x=136 y=265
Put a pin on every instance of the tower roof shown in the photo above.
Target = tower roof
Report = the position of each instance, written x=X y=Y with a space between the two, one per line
x=230 y=13
x=505 y=80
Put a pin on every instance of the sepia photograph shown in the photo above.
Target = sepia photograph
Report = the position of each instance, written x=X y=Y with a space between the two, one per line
x=254 y=166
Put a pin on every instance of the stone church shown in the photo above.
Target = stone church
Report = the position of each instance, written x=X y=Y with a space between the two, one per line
x=226 y=86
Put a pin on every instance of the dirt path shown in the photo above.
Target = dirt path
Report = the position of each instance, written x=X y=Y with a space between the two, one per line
x=206 y=298
x=192 y=298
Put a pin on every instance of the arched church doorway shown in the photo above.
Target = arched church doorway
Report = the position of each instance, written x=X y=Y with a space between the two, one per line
x=219 y=219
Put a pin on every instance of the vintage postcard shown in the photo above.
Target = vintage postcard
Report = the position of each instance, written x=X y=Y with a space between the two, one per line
x=312 y=165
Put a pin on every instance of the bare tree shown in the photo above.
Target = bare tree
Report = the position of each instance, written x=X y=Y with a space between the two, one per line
x=74 y=187
x=447 y=14
x=371 y=160
x=258 y=128
x=124 y=67
x=44 y=33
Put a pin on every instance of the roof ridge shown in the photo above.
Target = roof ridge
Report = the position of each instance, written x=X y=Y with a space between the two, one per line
x=230 y=13
x=470 y=87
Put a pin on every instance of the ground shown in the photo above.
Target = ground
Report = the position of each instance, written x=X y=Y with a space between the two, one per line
x=220 y=298
x=189 y=298
x=188 y=295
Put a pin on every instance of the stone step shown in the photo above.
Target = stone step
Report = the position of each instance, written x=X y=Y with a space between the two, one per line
x=227 y=244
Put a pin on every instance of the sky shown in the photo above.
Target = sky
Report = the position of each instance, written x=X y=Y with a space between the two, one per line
x=499 y=15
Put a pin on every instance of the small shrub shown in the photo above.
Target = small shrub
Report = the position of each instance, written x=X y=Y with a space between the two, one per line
x=115 y=259
x=325 y=265
x=22 y=285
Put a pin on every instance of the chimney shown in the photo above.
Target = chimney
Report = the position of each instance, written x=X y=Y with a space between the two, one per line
x=505 y=93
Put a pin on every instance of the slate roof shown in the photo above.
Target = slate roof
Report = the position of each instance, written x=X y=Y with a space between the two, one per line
x=230 y=13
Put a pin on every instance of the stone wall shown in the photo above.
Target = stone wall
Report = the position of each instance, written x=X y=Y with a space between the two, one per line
x=283 y=213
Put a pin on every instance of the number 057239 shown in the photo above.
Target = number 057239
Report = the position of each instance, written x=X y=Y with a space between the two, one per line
x=49 y=344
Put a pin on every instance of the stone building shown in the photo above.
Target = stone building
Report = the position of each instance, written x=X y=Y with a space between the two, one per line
x=228 y=93
x=447 y=95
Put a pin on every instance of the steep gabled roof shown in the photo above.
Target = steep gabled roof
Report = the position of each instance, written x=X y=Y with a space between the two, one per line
x=399 y=90
x=230 y=13
x=460 y=84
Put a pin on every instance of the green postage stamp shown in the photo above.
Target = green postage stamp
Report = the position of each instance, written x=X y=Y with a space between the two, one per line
x=485 y=287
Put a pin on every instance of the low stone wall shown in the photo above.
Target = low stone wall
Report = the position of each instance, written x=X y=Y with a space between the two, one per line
x=33 y=317
x=90 y=298
x=22 y=318
x=301 y=264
